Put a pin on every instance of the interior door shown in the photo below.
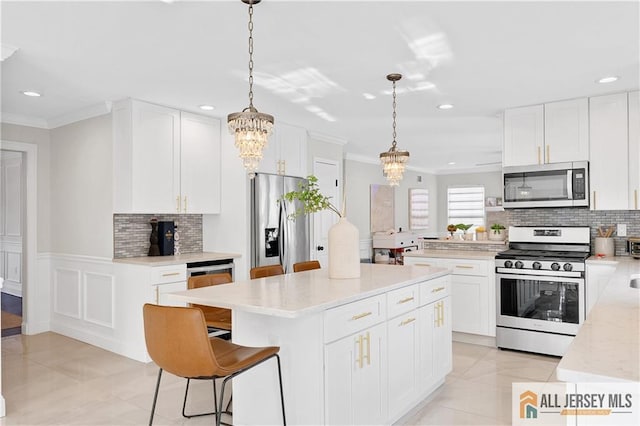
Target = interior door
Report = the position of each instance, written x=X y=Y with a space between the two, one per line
x=328 y=175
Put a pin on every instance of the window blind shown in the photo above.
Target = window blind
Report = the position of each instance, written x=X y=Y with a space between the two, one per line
x=466 y=205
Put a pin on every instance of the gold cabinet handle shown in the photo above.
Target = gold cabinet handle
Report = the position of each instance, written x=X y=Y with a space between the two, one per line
x=157 y=295
x=538 y=155
x=407 y=321
x=178 y=204
x=362 y=315
x=594 y=200
x=185 y=203
x=171 y=274
x=464 y=267
x=405 y=300
x=441 y=313
x=422 y=264
x=284 y=166
x=435 y=290
x=548 y=154
x=368 y=356
x=635 y=199
x=359 y=360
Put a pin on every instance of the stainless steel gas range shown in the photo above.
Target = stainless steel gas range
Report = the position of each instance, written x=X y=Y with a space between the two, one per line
x=541 y=288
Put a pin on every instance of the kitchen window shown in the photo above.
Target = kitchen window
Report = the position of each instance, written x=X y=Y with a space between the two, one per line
x=418 y=208
x=465 y=204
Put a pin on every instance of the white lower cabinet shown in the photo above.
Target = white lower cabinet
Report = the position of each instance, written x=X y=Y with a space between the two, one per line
x=597 y=277
x=401 y=352
x=355 y=380
x=473 y=292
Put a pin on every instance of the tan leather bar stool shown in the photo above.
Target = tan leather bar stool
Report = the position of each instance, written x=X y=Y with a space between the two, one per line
x=218 y=318
x=266 y=271
x=177 y=342
x=306 y=266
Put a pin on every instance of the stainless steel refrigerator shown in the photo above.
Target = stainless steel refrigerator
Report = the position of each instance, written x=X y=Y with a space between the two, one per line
x=276 y=239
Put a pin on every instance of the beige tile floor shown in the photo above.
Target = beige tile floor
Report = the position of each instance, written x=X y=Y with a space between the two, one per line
x=52 y=379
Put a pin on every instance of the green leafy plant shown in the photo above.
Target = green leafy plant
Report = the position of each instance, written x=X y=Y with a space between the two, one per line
x=496 y=227
x=311 y=198
x=463 y=227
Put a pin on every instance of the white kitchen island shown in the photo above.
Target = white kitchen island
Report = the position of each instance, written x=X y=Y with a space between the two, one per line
x=355 y=351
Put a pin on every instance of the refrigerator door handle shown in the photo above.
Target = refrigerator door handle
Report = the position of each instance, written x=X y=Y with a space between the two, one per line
x=281 y=218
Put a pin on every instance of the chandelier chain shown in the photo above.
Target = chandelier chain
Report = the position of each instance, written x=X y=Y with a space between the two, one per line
x=394 y=114
x=251 y=55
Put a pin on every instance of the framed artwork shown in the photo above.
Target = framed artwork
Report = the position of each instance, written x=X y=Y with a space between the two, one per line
x=382 y=207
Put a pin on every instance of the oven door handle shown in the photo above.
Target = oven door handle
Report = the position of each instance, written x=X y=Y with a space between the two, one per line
x=219 y=267
x=540 y=278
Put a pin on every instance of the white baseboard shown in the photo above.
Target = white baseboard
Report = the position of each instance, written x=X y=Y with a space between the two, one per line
x=474 y=339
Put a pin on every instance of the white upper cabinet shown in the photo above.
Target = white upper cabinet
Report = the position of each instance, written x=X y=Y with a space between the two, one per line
x=200 y=164
x=566 y=131
x=286 y=153
x=551 y=133
x=523 y=136
x=165 y=160
x=634 y=150
x=609 y=164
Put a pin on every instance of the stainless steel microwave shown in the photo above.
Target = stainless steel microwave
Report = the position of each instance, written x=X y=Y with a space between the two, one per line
x=546 y=185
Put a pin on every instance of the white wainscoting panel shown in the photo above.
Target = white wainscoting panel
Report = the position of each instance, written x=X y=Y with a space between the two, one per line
x=66 y=292
x=99 y=295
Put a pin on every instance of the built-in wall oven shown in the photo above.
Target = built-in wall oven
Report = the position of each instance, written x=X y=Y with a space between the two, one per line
x=541 y=288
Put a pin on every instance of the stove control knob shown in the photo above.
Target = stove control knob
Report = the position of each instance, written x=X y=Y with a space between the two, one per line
x=508 y=264
x=519 y=265
x=567 y=267
x=555 y=266
x=537 y=265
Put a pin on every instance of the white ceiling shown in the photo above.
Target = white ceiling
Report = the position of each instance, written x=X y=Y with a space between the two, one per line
x=315 y=60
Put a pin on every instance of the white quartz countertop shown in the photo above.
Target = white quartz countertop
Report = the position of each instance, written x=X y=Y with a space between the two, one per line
x=452 y=254
x=607 y=347
x=301 y=293
x=176 y=260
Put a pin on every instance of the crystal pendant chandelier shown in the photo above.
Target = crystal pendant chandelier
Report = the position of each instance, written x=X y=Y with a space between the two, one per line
x=394 y=160
x=250 y=127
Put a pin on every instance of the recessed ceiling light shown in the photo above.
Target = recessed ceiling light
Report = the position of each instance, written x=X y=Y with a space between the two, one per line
x=451 y=163
x=31 y=93
x=207 y=107
x=608 y=79
x=368 y=96
x=445 y=106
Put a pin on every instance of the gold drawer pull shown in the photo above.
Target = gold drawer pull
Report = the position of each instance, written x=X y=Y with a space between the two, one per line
x=359 y=316
x=464 y=267
x=171 y=274
x=422 y=264
x=407 y=321
x=405 y=300
x=435 y=290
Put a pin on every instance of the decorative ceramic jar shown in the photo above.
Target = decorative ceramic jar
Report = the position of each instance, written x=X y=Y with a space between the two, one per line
x=344 y=250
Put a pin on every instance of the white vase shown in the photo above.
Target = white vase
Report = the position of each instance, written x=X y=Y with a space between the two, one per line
x=496 y=235
x=344 y=251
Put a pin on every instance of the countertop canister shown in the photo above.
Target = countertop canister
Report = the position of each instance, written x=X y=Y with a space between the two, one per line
x=605 y=247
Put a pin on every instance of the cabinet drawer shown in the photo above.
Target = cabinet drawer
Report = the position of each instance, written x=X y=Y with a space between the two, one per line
x=468 y=267
x=433 y=290
x=402 y=300
x=422 y=261
x=168 y=274
x=347 y=319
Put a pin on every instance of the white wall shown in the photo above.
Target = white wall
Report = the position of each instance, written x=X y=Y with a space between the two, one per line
x=81 y=188
x=359 y=176
x=492 y=182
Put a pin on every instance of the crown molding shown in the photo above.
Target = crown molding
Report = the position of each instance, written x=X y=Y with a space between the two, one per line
x=321 y=137
x=82 y=114
x=23 y=120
